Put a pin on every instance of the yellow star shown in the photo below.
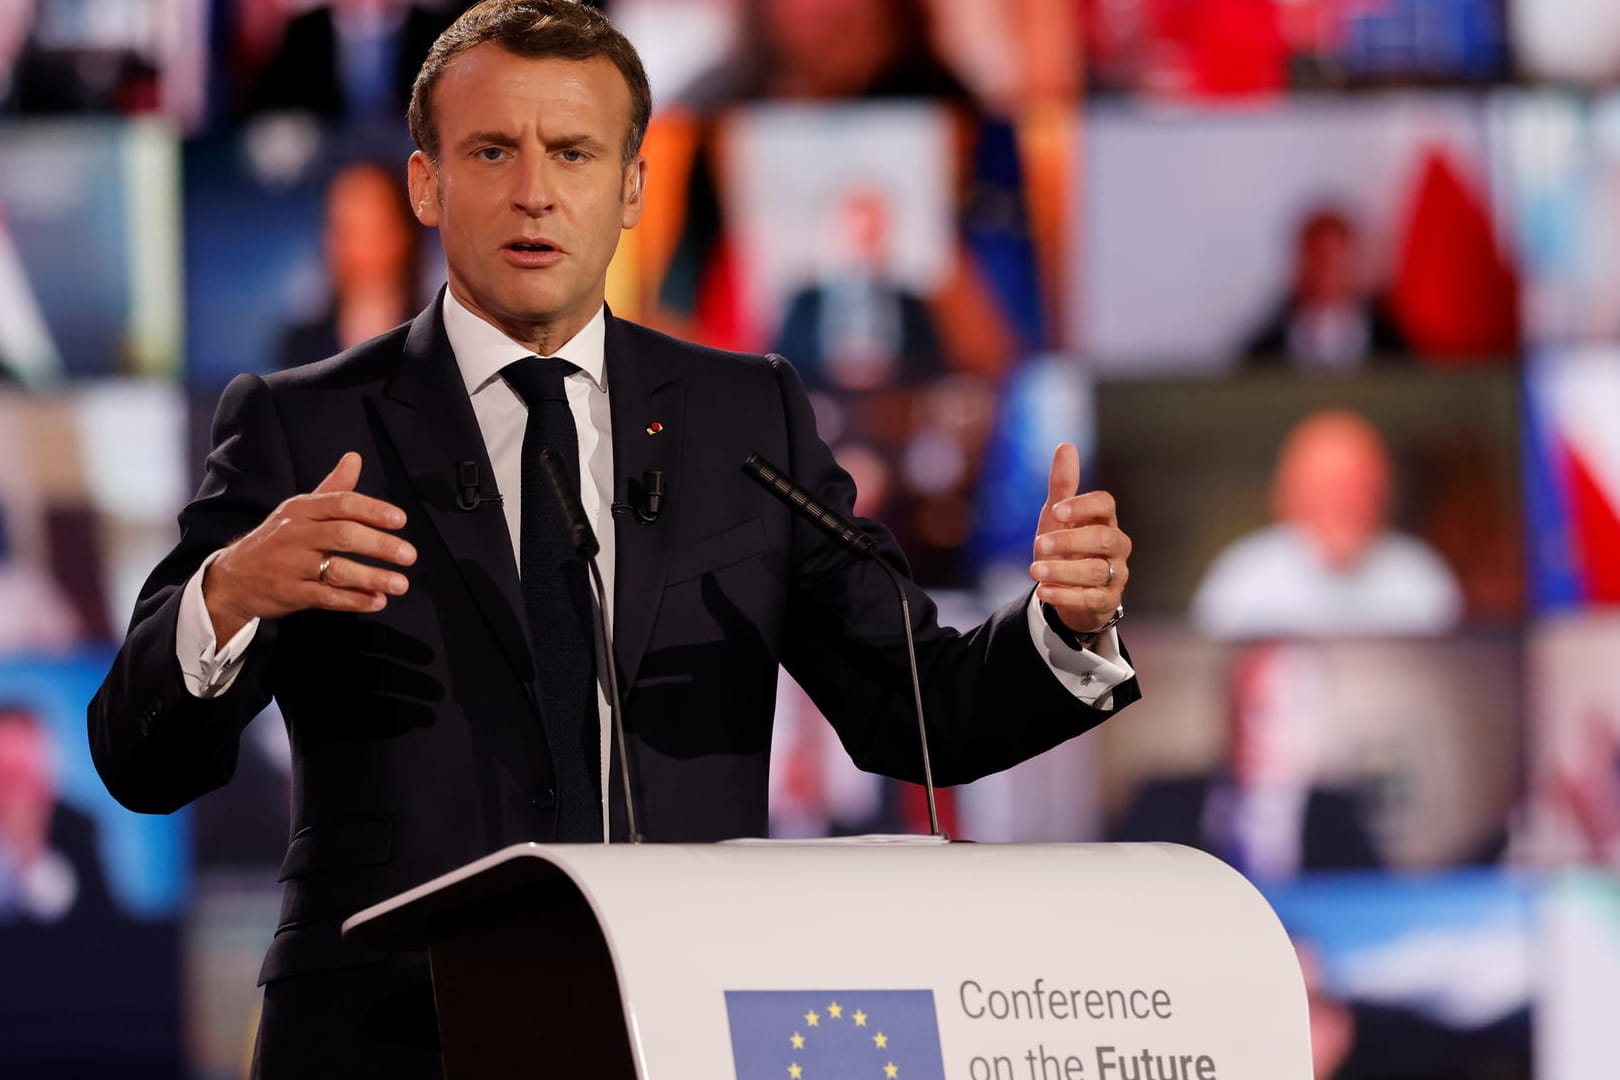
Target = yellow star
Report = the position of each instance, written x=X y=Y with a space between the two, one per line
x=836 y=1011
x=795 y=1072
x=891 y=1070
x=860 y=1018
x=881 y=1040
x=812 y=1019
x=798 y=1041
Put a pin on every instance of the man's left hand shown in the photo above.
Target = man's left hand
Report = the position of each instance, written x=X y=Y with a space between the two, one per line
x=1081 y=556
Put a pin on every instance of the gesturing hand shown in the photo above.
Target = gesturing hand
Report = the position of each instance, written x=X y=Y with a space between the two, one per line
x=1081 y=555
x=289 y=563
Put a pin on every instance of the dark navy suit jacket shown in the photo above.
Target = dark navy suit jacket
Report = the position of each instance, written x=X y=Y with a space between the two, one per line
x=416 y=732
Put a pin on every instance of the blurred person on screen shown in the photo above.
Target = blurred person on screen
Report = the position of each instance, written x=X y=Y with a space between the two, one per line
x=1332 y=319
x=1330 y=563
x=829 y=50
x=372 y=243
x=431 y=646
x=74 y=56
x=350 y=60
x=855 y=329
x=50 y=867
x=35 y=614
x=860 y=342
x=1264 y=811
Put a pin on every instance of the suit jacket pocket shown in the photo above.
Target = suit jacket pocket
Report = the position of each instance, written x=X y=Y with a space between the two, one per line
x=331 y=845
x=716 y=552
x=305 y=948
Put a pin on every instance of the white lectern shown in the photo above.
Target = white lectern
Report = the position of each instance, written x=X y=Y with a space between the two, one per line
x=909 y=960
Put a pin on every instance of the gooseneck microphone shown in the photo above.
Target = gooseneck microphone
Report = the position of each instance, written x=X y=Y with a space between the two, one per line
x=844 y=532
x=580 y=533
x=583 y=537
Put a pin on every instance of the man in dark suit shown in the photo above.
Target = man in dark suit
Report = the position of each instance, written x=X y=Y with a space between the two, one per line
x=350 y=61
x=430 y=647
x=1265 y=810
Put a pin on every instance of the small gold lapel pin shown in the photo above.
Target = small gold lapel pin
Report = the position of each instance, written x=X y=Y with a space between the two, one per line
x=654 y=428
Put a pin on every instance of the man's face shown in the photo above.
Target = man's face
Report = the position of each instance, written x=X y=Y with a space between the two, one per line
x=1327 y=267
x=530 y=193
x=367 y=243
x=1334 y=484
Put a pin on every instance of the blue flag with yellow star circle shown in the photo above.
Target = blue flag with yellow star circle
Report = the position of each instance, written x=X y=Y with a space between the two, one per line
x=834 y=1034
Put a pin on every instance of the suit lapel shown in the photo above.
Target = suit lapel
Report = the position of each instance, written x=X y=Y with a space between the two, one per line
x=640 y=392
x=430 y=422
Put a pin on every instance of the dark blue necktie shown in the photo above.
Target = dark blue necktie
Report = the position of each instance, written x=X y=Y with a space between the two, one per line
x=556 y=593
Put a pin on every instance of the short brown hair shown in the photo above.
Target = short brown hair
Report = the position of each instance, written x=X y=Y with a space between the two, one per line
x=538 y=29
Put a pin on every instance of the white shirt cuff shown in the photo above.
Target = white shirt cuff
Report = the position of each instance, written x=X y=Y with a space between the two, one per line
x=208 y=669
x=1089 y=674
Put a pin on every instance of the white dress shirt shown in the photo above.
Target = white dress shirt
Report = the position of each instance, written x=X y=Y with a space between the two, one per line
x=481 y=351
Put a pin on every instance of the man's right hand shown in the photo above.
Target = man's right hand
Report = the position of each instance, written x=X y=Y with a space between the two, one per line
x=275 y=570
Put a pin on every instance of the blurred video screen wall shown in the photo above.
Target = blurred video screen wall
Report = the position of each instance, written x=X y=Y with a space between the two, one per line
x=1326 y=291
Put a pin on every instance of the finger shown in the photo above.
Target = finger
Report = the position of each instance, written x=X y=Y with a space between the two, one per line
x=1086 y=541
x=332 y=598
x=344 y=475
x=1084 y=609
x=1064 y=479
x=353 y=538
x=1094 y=507
x=352 y=506
x=1061 y=482
x=348 y=574
x=1086 y=573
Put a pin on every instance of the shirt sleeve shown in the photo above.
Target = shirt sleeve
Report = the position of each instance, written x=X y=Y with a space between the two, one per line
x=208 y=669
x=1089 y=674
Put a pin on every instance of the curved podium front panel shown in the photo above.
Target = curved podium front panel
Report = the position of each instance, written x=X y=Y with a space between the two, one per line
x=908 y=960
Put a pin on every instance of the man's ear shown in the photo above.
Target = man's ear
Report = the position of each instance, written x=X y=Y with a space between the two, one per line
x=635 y=190
x=424 y=184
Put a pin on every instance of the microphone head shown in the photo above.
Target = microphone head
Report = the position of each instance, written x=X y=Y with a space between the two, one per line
x=805 y=505
x=580 y=532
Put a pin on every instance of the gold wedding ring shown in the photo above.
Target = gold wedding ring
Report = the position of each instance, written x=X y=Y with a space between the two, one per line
x=326 y=564
x=1110 y=580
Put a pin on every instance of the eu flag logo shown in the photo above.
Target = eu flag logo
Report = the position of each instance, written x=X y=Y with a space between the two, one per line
x=836 y=1034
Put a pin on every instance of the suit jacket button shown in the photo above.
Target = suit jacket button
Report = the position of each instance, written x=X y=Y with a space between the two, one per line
x=544 y=798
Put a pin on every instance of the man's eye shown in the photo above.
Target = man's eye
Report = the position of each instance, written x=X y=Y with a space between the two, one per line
x=491 y=153
x=574 y=157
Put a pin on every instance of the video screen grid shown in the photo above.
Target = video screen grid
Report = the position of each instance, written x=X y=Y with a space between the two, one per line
x=1324 y=292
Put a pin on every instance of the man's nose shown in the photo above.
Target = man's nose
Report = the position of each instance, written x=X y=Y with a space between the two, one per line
x=533 y=193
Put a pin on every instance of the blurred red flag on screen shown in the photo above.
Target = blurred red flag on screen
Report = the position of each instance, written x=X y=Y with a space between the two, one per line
x=1597 y=528
x=1455 y=293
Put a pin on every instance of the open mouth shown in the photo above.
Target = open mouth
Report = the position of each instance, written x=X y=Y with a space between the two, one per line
x=532 y=247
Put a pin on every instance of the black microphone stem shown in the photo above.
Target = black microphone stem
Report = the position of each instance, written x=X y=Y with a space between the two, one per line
x=585 y=543
x=847 y=535
x=614 y=710
x=916 y=694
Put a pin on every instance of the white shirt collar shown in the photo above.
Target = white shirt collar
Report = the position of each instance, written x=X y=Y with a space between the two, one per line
x=482 y=349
